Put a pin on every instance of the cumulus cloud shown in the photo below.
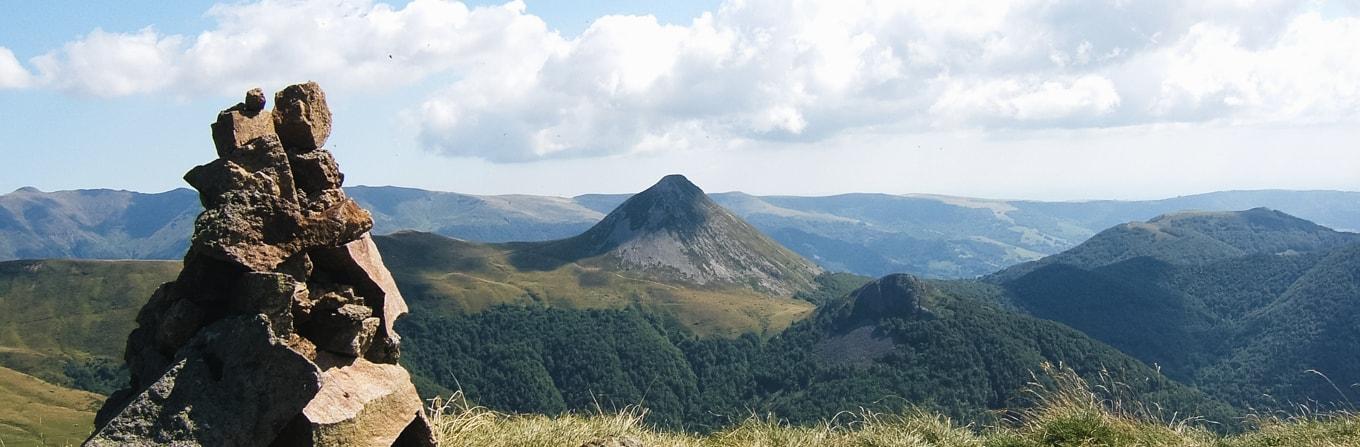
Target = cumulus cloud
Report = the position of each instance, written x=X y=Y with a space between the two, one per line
x=348 y=43
x=1037 y=101
x=508 y=88
x=12 y=74
x=113 y=64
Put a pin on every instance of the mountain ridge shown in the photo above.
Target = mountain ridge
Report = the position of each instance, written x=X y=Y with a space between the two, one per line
x=1240 y=304
x=868 y=234
x=1195 y=237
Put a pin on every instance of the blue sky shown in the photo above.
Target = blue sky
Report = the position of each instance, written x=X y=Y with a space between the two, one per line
x=1014 y=99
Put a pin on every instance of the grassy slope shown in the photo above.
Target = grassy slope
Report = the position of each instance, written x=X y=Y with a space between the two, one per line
x=446 y=275
x=57 y=313
x=1071 y=413
x=33 y=412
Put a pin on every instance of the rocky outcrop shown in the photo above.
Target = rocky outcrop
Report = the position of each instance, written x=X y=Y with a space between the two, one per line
x=898 y=295
x=278 y=330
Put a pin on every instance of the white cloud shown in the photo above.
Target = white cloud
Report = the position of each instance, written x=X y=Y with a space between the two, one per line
x=114 y=64
x=507 y=88
x=12 y=74
x=1035 y=101
x=346 y=43
x=1310 y=73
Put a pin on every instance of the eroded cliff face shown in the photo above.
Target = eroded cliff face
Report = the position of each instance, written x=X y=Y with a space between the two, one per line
x=278 y=330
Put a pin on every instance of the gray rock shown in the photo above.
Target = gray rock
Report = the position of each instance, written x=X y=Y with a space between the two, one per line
x=347 y=329
x=360 y=262
x=234 y=384
x=360 y=403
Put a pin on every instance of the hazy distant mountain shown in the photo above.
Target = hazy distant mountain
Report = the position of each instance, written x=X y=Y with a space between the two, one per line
x=870 y=234
x=1193 y=238
x=1241 y=304
x=96 y=223
x=476 y=218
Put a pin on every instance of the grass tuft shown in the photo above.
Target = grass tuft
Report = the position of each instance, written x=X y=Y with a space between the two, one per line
x=1064 y=411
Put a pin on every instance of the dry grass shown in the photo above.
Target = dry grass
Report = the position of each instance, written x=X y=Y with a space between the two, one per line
x=33 y=412
x=486 y=278
x=1067 y=412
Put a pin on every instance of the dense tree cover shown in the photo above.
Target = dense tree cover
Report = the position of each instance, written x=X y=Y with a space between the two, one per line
x=1269 y=327
x=963 y=359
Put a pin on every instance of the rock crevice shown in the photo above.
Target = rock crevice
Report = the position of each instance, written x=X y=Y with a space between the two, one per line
x=278 y=330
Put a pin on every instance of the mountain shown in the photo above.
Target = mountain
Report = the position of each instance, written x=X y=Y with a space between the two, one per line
x=869 y=234
x=1240 y=304
x=895 y=343
x=577 y=337
x=96 y=223
x=502 y=218
x=902 y=336
x=634 y=310
x=1192 y=238
x=672 y=231
x=669 y=250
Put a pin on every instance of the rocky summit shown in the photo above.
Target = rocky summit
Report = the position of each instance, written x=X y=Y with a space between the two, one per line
x=278 y=330
x=675 y=232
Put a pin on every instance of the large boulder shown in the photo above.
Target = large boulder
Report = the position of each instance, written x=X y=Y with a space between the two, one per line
x=360 y=403
x=234 y=384
x=360 y=261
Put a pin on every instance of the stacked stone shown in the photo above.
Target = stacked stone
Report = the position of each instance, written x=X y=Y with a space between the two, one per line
x=278 y=330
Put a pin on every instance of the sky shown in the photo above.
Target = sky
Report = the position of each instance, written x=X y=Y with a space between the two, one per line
x=1041 y=99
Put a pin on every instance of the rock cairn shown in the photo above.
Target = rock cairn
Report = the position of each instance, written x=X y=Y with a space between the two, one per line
x=278 y=330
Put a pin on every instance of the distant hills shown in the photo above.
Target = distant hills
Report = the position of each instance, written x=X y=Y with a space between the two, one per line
x=668 y=250
x=670 y=300
x=1255 y=306
x=96 y=224
x=673 y=301
x=868 y=234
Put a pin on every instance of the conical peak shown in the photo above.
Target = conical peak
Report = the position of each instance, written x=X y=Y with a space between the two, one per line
x=672 y=231
x=675 y=185
x=672 y=204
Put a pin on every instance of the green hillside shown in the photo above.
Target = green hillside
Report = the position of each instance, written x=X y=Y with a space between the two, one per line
x=1070 y=412
x=66 y=321
x=1264 y=319
x=442 y=276
x=952 y=355
x=34 y=412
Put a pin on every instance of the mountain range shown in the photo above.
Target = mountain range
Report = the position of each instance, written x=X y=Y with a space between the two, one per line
x=867 y=234
x=673 y=300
